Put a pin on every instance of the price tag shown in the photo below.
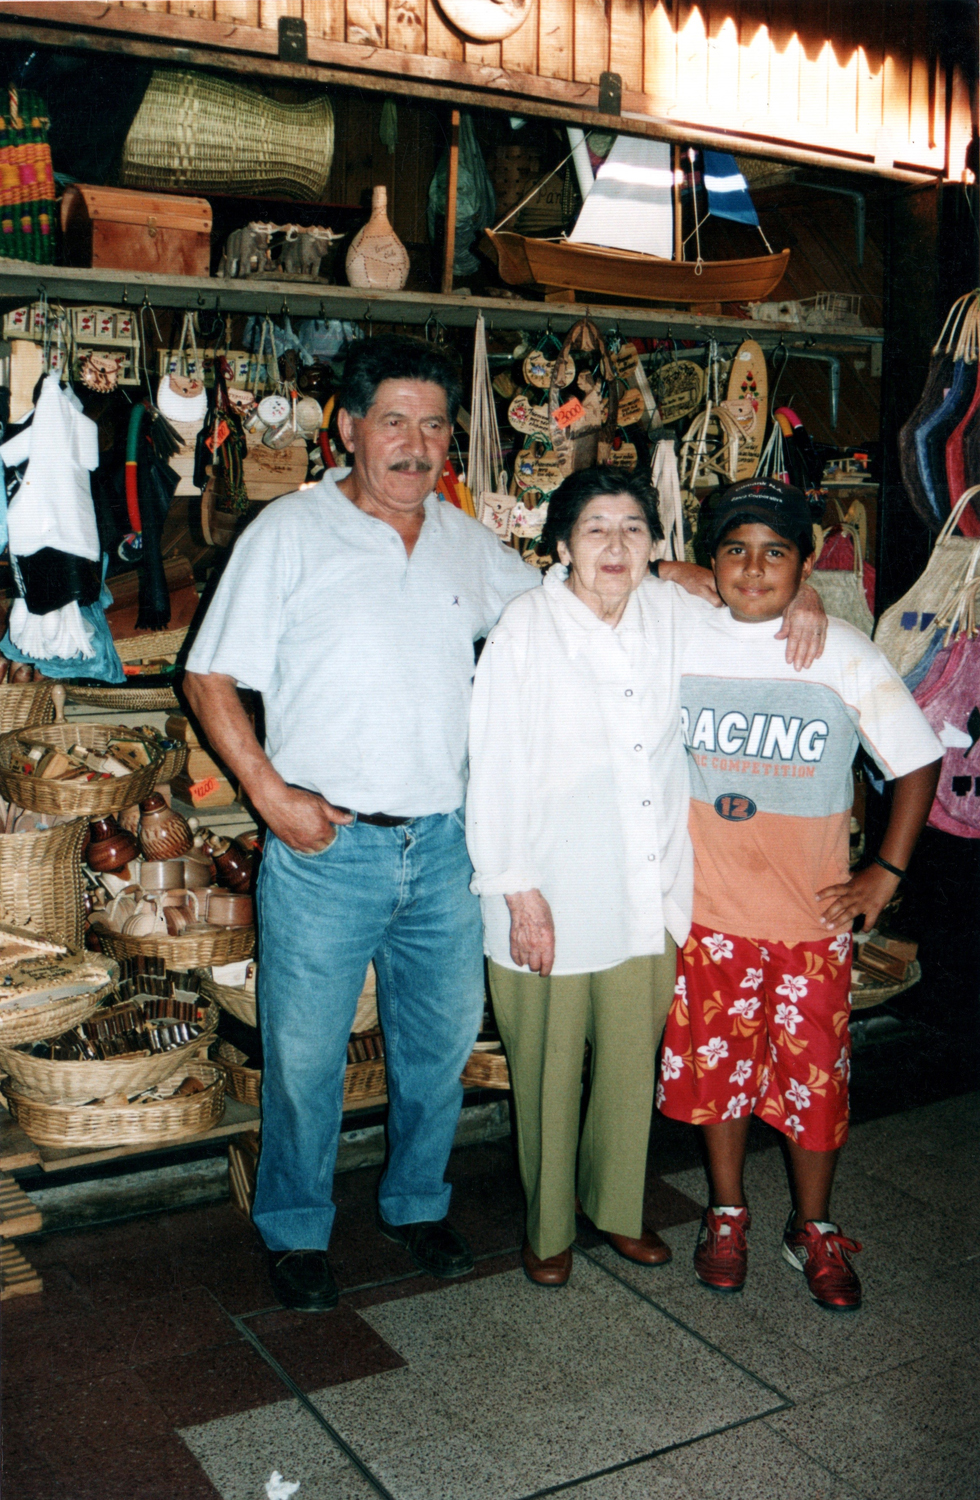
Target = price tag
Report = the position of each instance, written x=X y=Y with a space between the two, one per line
x=218 y=436
x=202 y=789
x=571 y=411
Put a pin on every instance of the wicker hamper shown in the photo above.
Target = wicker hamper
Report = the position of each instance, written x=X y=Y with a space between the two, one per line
x=41 y=882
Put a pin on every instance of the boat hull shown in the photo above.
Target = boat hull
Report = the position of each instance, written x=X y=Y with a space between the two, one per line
x=631 y=277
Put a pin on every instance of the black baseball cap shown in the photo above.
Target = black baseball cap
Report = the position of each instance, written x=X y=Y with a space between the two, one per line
x=782 y=507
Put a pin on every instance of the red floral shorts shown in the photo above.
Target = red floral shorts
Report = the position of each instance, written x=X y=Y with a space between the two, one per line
x=761 y=1028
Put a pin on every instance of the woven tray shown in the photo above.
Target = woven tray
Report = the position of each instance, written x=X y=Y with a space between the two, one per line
x=83 y=1125
x=74 y=1082
x=53 y=1017
x=486 y=1070
x=152 y=645
x=219 y=945
x=41 y=882
x=875 y=991
x=122 y=699
x=90 y=799
x=238 y=1002
x=24 y=703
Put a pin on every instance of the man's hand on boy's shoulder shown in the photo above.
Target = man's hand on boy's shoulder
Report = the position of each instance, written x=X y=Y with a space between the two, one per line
x=804 y=628
x=691 y=578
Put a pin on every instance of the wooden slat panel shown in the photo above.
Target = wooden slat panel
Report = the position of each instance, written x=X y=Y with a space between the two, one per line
x=18 y=1215
x=555 y=35
x=626 y=41
x=271 y=10
x=406 y=25
x=441 y=41
x=323 y=18
x=17 y=1277
x=842 y=79
x=520 y=50
x=784 y=78
x=367 y=22
x=871 y=77
x=485 y=55
x=591 y=41
x=815 y=55
x=961 y=127
x=692 y=64
x=753 y=64
x=723 y=61
x=194 y=10
x=659 y=57
x=241 y=12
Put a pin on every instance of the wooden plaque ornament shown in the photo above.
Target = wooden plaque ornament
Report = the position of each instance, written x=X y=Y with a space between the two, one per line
x=748 y=403
x=487 y=20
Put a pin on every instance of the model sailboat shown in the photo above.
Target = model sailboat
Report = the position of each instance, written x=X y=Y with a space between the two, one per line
x=628 y=229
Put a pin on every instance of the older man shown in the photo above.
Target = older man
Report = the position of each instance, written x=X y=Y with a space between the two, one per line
x=352 y=608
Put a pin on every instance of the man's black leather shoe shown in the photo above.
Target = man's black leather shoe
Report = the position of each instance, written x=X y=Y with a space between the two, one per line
x=302 y=1280
x=434 y=1246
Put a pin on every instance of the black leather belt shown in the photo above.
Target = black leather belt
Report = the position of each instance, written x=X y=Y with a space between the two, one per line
x=377 y=820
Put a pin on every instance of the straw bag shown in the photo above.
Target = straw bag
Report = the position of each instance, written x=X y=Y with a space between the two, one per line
x=949 y=702
x=842 y=589
x=198 y=133
x=904 y=631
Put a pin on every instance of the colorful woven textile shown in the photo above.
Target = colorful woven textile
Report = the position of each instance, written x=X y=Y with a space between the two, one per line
x=27 y=206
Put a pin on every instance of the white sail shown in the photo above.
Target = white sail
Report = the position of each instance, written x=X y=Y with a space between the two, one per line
x=630 y=207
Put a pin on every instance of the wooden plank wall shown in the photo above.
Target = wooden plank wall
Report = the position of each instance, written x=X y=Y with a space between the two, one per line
x=830 y=74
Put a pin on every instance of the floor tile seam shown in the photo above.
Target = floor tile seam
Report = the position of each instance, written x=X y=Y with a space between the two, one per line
x=344 y=1447
x=686 y=1328
x=633 y=1463
x=812 y=1458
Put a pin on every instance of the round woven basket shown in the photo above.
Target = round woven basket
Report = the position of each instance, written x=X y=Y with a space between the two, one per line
x=197 y=133
x=74 y=1082
x=90 y=799
x=67 y=1125
x=52 y=1017
x=172 y=764
x=197 y=950
x=152 y=645
x=24 y=703
x=236 y=1000
x=122 y=699
x=41 y=882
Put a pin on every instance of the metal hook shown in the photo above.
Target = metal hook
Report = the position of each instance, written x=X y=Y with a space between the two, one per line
x=125 y=294
x=284 y=309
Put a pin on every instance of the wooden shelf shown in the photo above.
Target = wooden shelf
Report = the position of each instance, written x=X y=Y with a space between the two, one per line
x=23 y=281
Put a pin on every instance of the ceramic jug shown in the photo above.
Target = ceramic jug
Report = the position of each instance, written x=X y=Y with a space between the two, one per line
x=232 y=863
x=377 y=257
x=164 y=834
x=110 y=847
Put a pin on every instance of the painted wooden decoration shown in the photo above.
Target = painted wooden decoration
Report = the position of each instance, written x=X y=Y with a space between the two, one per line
x=487 y=20
x=748 y=404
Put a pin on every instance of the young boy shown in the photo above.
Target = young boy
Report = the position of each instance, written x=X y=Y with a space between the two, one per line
x=759 y=1023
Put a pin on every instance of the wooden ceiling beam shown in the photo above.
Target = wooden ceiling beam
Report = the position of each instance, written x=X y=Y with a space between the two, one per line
x=253 y=52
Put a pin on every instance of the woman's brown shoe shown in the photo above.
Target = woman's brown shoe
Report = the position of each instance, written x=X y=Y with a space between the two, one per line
x=648 y=1250
x=554 y=1271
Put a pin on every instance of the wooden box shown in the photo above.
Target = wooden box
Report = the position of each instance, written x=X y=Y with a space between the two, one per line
x=107 y=226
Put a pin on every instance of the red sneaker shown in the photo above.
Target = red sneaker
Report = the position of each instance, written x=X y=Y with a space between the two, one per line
x=822 y=1253
x=721 y=1255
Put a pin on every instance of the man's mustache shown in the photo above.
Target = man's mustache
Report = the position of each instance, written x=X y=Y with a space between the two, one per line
x=411 y=466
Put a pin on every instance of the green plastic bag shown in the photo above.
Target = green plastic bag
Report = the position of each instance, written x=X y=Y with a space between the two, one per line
x=476 y=202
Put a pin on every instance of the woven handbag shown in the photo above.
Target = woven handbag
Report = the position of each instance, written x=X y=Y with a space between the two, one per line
x=904 y=631
x=950 y=703
x=842 y=589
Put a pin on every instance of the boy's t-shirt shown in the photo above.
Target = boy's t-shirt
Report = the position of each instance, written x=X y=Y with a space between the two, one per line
x=770 y=753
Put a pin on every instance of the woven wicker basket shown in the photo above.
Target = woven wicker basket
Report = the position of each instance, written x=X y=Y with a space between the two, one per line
x=241 y=1082
x=83 y=1125
x=197 y=950
x=173 y=763
x=365 y=1083
x=90 y=799
x=486 y=1069
x=74 y=1082
x=197 y=133
x=152 y=645
x=53 y=1017
x=41 y=882
x=233 y=998
x=122 y=699
x=24 y=703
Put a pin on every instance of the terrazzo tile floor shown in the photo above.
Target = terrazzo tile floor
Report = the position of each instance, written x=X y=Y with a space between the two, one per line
x=155 y=1365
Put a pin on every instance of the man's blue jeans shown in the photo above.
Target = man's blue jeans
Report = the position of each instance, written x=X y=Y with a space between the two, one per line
x=400 y=896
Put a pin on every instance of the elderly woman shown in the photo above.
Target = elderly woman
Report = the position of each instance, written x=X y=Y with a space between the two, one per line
x=577 y=829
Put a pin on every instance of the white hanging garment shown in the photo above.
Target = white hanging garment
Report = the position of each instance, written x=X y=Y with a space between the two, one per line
x=666 y=481
x=631 y=205
x=53 y=507
x=62 y=632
